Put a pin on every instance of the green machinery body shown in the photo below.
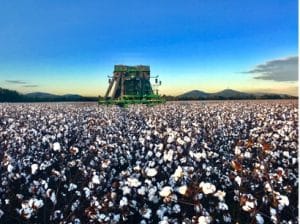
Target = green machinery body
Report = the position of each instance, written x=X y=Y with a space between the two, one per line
x=131 y=85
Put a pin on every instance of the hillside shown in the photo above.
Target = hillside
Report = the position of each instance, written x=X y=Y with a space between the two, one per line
x=229 y=94
x=7 y=95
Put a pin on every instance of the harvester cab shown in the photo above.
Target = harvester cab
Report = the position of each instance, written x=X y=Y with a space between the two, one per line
x=131 y=85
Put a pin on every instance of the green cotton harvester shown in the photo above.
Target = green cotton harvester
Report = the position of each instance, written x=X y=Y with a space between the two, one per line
x=131 y=85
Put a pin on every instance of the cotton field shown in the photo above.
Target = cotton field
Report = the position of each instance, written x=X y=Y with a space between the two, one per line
x=181 y=162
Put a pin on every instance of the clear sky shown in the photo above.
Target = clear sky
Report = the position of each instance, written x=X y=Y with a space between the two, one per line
x=70 y=46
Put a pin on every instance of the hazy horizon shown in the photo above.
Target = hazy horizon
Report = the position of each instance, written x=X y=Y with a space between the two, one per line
x=69 y=48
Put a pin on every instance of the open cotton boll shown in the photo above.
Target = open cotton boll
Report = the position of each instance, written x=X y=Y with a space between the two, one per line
x=133 y=182
x=207 y=188
x=34 y=168
x=151 y=172
x=238 y=180
x=123 y=202
x=282 y=201
x=200 y=155
x=222 y=206
x=56 y=146
x=182 y=189
x=165 y=191
x=180 y=141
x=126 y=190
x=10 y=168
x=268 y=187
x=146 y=213
x=51 y=194
x=72 y=187
x=96 y=179
x=220 y=195
x=26 y=212
x=73 y=150
x=237 y=151
x=36 y=203
x=168 y=156
x=259 y=219
x=105 y=164
x=204 y=220
x=141 y=190
x=160 y=146
x=170 y=139
x=248 y=206
x=187 y=139
x=178 y=173
x=247 y=155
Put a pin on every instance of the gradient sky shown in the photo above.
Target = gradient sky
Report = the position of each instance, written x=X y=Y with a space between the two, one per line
x=64 y=46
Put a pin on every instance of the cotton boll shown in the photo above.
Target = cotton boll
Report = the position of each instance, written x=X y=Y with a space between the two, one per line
x=51 y=194
x=180 y=141
x=204 y=220
x=176 y=208
x=160 y=146
x=146 y=213
x=238 y=180
x=207 y=188
x=222 y=206
x=187 y=139
x=151 y=172
x=10 y=168
x=87 y=192
x=283 y=201
x=26 y=212
x=96 y=179
x=72 y=187
x=259 y=219
x=268 y=187
x=286 y=154
x=73 y=150
x=158 y=154
x=36 y=203
x=237 y=151
x=126 y=190
x=168 y=156
x=56 y=147
x=178 y=173
x=170 y=139
x=182 y=189
x=141 y=190
x=200 y=155
x=137 y=168
x=105 y=164
x=20 y=196
x=123 y=202
x=133 y=182
x=249 y=206
x=247 y=155
x=165 y=191
x=220 y=195
x=34 y=168
x=75 y=205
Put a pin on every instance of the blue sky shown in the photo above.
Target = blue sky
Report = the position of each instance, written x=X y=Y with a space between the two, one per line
x=64 y=46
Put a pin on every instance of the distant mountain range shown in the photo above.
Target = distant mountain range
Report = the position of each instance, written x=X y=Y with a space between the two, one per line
x=7 y=95
x=230 y=94
x=41 y=95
